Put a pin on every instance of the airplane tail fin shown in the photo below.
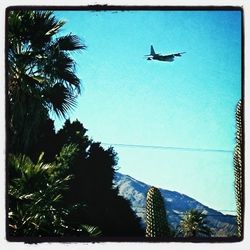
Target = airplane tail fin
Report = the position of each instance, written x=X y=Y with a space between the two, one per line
x=152 y=51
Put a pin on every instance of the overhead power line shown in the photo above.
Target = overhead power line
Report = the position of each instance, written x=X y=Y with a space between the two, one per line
x=168 y=147
x=222 y=211
x=219 y=210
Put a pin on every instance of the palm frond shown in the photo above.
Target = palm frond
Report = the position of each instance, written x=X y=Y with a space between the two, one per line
x=46 y=25
x=193 y=224
x=37 y=62
x=60 y=67
x=69 y=43
x=71 y=80
x=60 y=99
x=34 y=197
x=91 y=230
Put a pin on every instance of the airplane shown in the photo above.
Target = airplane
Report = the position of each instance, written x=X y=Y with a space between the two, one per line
x=159 y=57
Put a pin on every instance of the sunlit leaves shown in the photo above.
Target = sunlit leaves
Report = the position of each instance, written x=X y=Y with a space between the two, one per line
x=91 y=230
x=193 y=224
x=35 y=193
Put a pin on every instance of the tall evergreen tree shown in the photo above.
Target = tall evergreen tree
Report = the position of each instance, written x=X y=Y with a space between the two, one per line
x=93 y=172
x=238 y=168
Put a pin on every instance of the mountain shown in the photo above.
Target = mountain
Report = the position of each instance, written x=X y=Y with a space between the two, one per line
x=176 y=204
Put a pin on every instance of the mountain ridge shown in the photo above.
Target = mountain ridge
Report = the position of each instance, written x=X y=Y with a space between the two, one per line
x=176 y=204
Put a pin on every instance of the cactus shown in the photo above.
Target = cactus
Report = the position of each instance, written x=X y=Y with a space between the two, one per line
x=238 y=168
x=156 y=219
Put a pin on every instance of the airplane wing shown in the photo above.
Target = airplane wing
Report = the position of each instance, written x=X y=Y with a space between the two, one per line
x=178 y=54
x=149 y=56
x=169 y=57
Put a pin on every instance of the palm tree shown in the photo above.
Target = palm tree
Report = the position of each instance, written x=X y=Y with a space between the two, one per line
x=193 y=224
x=41 y=72
x=34 y=195
x=36 y=206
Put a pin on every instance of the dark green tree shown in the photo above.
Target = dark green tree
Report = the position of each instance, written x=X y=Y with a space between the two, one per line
x=68 y=189
x=94 y=170
x=36 y=200
x=41 y=74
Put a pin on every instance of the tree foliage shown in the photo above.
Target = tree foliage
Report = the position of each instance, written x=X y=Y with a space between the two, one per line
x=193 y=224
x=41 y=73
x=59 y=183
x=35 y=194
x=94 y=170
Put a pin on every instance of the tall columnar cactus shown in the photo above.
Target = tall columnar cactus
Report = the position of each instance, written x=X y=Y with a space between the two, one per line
x=238 y=168
x=156 y=219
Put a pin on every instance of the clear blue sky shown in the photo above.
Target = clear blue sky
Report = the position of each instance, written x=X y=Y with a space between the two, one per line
x=187 y=103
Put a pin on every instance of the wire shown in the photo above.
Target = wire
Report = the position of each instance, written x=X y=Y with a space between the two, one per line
x=168 y=147
x=226 y=210
x=233 y=211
